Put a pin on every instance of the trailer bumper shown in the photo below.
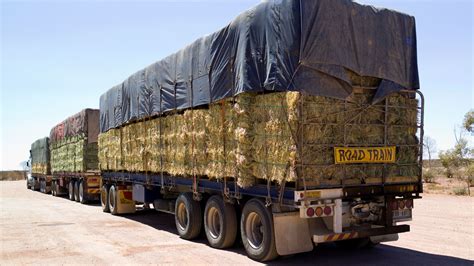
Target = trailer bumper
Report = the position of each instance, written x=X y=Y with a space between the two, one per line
x=380 y=231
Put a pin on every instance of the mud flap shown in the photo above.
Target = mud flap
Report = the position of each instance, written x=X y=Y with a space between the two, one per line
x=125 y=203
x=292 y=233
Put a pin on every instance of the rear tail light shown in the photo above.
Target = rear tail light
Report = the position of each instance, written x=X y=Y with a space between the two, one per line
x=409 y=204
x=401 y=204
x=327 y=210
x=394 y=205
x=319 y=211
x=310 y=212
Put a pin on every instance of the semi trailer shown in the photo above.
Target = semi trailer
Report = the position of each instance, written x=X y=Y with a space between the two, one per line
x=299 y=123
x=39 y=177
x=74 y=162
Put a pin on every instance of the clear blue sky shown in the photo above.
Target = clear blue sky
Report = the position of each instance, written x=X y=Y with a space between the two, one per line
x=58 y=58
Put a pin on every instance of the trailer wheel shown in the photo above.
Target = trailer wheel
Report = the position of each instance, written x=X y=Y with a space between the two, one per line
x=45 y=191
x=82 y=196
x=53 y=188
x=220 y=223
x=76 y=191
x=104 y=198
x=71 y=190
x=35 y=184
x=41 y=186
x=188 y=216
x=256 y=226
x=113 y=200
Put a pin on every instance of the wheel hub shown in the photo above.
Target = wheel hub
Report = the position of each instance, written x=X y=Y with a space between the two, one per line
x=254 y=230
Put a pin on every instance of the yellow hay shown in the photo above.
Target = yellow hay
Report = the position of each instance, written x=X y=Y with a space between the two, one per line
x=277 y=136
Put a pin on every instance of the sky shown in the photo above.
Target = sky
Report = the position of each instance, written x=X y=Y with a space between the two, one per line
x=57 y=58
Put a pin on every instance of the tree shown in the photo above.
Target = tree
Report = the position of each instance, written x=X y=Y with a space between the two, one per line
x=430 y=148
x=459 y=161
x=469 y=121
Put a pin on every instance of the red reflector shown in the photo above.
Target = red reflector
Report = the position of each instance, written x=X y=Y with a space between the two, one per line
x=409 y=204
x=401 y=204
x=127 y=195
x=327 y=210
x=394 y=205
x=310 y=212
x=319 y=211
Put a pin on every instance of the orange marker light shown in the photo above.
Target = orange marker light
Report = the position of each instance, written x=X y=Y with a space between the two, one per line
x=319 y=211
x=401 y=204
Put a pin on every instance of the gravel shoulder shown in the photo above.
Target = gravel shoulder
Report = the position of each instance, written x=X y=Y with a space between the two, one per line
x=41 y=229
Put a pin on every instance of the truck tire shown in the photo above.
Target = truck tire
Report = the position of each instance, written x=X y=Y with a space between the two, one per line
x=104 y=198
x=71 y=190
x=41 y=186
x=256 y=228
x=112 y=199
x=53 y=188
x=35 y=186
x=220 y=223
x=187 y=217
x=82 y=195
x=76 y=191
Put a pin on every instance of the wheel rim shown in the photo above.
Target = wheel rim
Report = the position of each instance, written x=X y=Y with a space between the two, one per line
x=214 y=222
x=71 y=190
x=254 y=230
x=103 y=196
x=81 y=192
x=182 y=216
x=112 y=199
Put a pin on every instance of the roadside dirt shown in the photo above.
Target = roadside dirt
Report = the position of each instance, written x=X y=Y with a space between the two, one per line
x=41 y=229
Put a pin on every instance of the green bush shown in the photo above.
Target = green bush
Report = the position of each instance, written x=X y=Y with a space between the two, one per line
x=428 y=176
x=449 y=173
x=460 y=191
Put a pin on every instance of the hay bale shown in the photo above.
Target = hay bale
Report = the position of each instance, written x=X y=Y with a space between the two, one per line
x=75 y=154
x=278 y=136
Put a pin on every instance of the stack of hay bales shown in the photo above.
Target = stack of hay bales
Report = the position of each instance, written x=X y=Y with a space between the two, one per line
x=74 y=154
x=282 y=136
x=40 y=157
x=74 y=147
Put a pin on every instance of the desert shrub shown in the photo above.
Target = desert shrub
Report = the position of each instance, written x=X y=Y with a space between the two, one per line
x=428 y=176
x=470 y=173
x=449 y=173
x=460 y=191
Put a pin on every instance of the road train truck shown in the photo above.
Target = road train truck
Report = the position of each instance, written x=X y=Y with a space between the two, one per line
x=299 y=123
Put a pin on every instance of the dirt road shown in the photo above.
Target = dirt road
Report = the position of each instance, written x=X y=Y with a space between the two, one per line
x=41 y=229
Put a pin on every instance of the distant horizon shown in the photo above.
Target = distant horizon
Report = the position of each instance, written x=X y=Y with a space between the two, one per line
x=56 y=63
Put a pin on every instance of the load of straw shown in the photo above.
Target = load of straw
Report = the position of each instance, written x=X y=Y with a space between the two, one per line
x=280 y=137
x=40 y=168
x=73 y=154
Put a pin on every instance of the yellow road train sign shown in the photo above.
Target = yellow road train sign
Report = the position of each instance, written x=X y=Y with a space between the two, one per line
x=365 y=155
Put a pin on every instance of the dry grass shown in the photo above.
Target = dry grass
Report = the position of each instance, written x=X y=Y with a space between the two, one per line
x=276 y=136
x=12 y=175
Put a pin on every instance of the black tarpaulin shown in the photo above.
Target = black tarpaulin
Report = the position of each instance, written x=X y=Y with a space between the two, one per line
x=299 y=45
x=84 y=123
x=40 y=151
